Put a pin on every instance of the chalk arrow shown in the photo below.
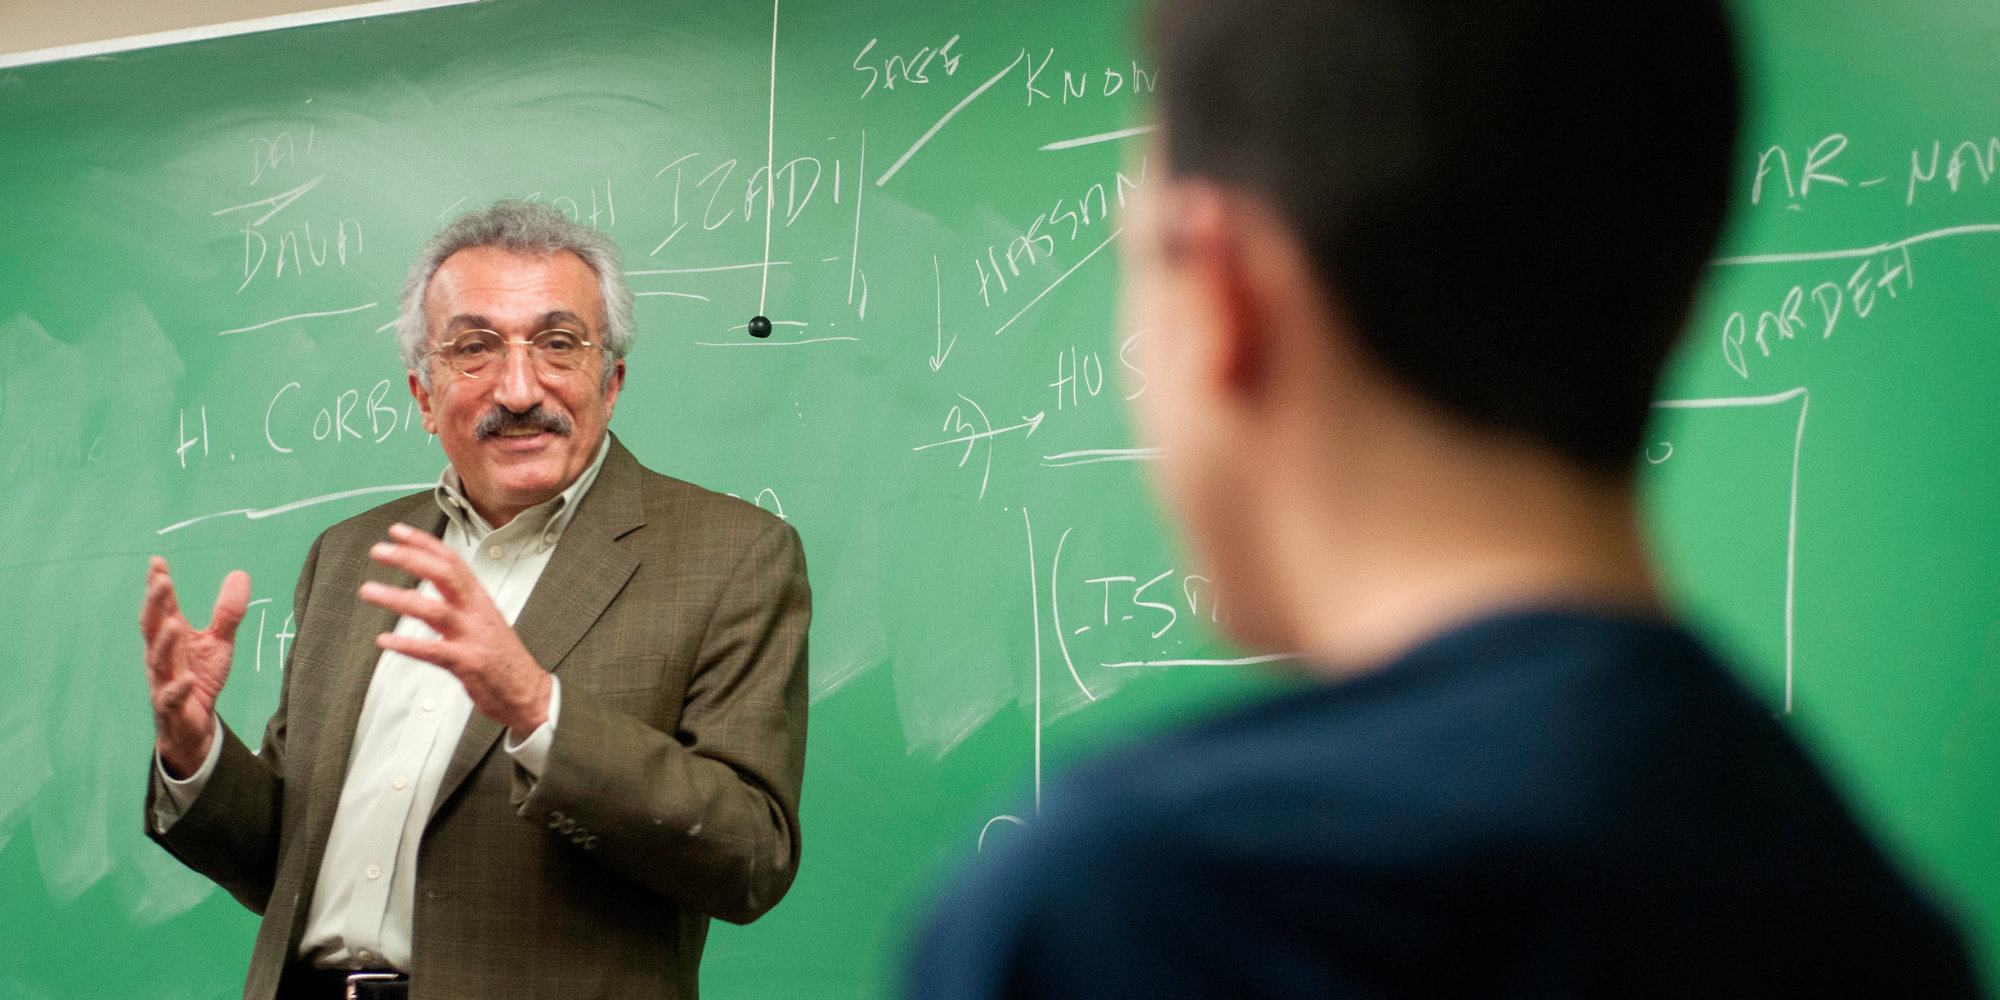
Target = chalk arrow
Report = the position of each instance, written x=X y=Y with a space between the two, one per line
x=944 y=350
x=1029 y=422
x=937 y=360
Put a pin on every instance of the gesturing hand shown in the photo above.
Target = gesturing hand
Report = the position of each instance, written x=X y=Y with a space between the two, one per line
x=474 y=640
x=186 y=668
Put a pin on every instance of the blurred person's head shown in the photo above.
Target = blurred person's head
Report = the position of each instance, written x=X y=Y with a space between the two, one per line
x=1395 y=239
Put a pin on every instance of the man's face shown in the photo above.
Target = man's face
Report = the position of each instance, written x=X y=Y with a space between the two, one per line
x=520 y=435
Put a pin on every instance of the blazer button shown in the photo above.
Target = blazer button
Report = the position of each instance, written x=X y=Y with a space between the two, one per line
x=567 y=826
x=590 y=842
x=555 y=819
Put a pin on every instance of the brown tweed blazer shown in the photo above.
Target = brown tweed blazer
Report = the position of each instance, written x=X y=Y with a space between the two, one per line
x=677 y=620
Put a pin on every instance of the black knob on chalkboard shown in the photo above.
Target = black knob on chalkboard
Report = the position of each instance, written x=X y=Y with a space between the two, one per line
x=760 y=326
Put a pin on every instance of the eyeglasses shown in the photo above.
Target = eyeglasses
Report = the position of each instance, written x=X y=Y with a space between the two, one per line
x=482 y=353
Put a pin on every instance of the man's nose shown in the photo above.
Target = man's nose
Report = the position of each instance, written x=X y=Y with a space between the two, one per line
x=518 y=386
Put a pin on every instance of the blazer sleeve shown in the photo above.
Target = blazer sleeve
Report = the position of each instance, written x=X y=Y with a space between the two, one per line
x=230 y=832
x=708 y=815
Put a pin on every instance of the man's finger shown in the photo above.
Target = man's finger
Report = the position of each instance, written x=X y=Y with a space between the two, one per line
x=424 y=541
x=230 y=605
x=424 y=564
x=174 y=695
x=433 y=651
x=430 y=611
x=159 y=654
x=415 y=537
x=443 y=568
x=160 y=603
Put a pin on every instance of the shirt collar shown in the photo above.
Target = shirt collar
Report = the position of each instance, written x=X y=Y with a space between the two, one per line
x=547 y=519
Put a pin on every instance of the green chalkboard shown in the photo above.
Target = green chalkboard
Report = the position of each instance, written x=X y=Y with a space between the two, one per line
x=203 y=243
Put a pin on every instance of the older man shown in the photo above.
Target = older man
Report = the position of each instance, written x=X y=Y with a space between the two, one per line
x=541 y=722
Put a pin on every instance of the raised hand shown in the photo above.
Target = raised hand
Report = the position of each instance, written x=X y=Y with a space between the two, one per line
x=474 y=640
x=186 y=668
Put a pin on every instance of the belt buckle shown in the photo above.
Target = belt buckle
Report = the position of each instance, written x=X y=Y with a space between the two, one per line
x=355 y=979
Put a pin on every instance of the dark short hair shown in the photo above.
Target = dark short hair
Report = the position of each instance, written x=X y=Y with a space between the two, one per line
x=1512 y=200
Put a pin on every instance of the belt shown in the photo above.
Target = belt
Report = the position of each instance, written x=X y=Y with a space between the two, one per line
x=303 y=982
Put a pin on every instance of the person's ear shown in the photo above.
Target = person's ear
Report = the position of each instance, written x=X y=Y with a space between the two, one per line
x=423 y=398
x=614 y=380
x=1211 y=234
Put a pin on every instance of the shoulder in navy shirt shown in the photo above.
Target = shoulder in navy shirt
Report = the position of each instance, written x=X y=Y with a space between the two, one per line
x=1534 y=805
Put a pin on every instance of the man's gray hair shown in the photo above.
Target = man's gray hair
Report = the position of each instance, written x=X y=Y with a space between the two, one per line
x=520 y=227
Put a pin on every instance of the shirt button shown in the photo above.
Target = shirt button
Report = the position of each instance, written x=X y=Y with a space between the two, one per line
x=374 y=871
x=430 y=704
x=495 y=551
x=549 y=538
x=400 y=783
x=365 y=955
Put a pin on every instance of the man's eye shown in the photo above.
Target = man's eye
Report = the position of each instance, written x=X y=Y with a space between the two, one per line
x=476 y=347
x=557 y=341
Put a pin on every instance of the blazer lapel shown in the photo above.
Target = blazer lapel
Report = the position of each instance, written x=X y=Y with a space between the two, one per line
x=587 y=570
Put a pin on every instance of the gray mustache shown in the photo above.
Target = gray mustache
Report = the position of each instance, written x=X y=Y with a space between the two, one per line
x=500 y=419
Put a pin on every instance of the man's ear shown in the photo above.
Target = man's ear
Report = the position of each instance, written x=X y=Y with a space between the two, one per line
x=423 y=398
x=1212 y=233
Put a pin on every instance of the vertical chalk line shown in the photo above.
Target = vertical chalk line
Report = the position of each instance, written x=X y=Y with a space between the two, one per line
x=1792 y=546
x=860 y=185
x=1055 y=613
x=770 y=162
x=1035 y=606
x=1792 y=517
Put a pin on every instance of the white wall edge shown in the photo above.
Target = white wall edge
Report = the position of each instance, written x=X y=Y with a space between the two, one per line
x=275 y=22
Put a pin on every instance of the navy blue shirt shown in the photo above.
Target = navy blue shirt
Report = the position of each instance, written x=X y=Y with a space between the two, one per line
x=1534 y=805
